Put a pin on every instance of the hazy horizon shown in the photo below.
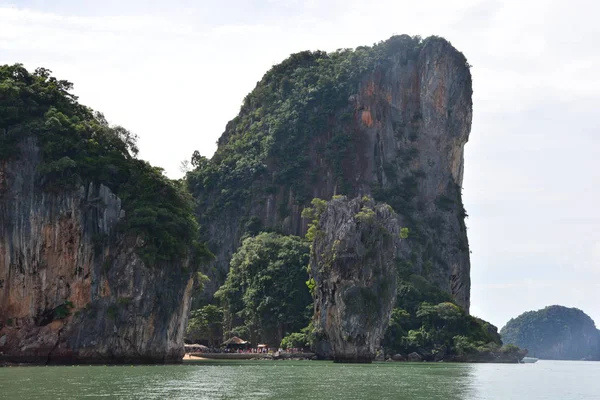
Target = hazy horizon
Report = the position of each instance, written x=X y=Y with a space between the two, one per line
x=176 y=72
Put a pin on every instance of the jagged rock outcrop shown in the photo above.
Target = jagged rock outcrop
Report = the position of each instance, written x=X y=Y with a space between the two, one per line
x=72 y=288
x=353 y=263
x=554 y=333
x=389 y=121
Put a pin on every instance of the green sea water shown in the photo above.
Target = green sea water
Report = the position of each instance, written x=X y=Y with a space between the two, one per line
x=560 y=380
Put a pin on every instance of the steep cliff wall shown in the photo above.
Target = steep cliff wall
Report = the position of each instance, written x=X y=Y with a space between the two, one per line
x=390 y=121
x=97 y=247
x=353 y=262
x=72 y=288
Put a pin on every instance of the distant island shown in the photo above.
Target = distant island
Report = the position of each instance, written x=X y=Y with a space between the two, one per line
x=555 y=333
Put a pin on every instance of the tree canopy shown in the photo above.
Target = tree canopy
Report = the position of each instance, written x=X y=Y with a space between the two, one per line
x=206 y=323
x=426 y=318
x=80 y=147
x=265 y=292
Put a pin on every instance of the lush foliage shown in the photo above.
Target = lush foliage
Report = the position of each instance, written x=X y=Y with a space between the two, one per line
x=426 y=319
x=302 y=340
x=555 y=332
x=206 y=323
x=313 y=214
x=293 y=112
x=80 y=147
x=404 y=232
x=265 y=294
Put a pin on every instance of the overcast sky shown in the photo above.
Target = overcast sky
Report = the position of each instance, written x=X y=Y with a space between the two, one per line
x=175 y=72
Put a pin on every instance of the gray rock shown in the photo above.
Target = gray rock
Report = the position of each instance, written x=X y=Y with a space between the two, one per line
x=73 y=287
x=415 y=357
x=398 y=357
x=353 y=262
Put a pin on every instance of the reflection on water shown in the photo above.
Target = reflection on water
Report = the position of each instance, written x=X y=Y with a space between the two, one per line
x=306 y=380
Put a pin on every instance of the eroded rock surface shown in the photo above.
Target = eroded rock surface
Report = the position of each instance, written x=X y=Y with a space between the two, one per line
x=353 y=263
x=72 y=289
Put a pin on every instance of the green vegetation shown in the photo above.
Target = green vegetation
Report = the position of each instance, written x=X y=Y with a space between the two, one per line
x=267 y=290
x=265 y=294
x=63 y=310
x=311 y=285
x=206 y=323
x=80 y=147
x=299 y=111
x=555 y=332
x=299 y=340
x=112 y=311
x=313 y=214
x=124 y=301
x=365 y=215
x=426 y=320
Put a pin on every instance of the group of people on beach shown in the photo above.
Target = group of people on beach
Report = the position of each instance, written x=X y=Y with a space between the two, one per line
x=253 y=350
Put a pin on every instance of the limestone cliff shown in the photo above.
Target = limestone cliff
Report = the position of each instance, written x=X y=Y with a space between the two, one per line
x=353 y=263
x=72 y=288
x=389 y=121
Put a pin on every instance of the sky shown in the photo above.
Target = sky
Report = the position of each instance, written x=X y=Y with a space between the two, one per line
x=175 y=72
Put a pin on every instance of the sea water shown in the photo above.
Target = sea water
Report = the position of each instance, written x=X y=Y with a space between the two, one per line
x=560 y=380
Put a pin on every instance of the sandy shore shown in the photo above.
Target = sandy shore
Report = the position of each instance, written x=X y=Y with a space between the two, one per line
x=249 y=356
x=190 y=357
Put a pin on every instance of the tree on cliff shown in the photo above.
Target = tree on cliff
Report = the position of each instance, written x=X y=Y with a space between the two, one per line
x=555 y=332
x=425 y=319
x=79 y=147
x=265 y=291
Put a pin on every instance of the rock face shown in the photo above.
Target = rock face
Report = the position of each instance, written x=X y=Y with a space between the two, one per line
x=72 y=289
x=397 y=134
x=554 y=333
x=353 y=263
